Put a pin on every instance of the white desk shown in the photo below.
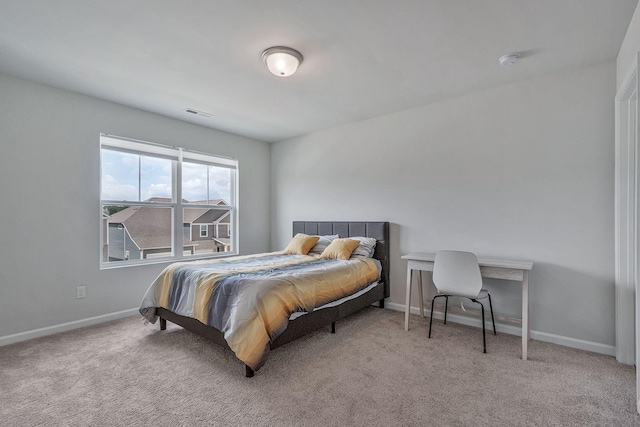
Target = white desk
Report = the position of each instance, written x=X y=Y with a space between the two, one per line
x=490 y=268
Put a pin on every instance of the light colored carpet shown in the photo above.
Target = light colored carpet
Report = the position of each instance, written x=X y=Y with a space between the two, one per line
x=370 y=373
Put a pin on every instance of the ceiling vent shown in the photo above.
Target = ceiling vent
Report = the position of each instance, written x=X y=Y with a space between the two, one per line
x=198 y=113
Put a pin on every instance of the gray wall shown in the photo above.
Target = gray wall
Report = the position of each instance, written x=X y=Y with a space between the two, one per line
x=524 y=171
x=50 y=225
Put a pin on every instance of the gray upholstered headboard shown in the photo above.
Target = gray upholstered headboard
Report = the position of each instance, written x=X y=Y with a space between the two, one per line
x=377 y=230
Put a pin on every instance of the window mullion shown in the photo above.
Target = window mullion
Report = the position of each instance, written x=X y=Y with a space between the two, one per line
x=178 y=212
x=139 y=178
x=233 y=226
x=128 y=203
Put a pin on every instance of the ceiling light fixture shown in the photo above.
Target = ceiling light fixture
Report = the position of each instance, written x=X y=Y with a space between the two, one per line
x=509 y=59
x=282 y=61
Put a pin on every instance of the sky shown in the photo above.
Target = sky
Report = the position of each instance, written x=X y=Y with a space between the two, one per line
x=121 y=179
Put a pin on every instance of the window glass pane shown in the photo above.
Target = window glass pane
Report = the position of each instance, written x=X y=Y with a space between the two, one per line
x=194 y=182
x=216 y=223
x=119 y=176
x=135 y=178
x=155 y=179
x=206 y=185
x=219 y=185
x=135 y=232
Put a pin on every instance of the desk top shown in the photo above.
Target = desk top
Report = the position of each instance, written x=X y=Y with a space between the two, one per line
x=484 y=262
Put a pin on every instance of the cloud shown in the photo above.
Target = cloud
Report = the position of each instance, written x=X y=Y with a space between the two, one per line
x=157 y=190
x=113 y=190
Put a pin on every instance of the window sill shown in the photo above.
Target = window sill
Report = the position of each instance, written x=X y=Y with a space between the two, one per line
x=137 y=263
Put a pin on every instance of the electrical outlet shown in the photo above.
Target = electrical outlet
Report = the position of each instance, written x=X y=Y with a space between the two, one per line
x=81 y=292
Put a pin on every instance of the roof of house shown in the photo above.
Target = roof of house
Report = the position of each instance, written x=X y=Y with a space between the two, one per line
x=222 y=216
x=224 y=240
x=192 y=214
x=147 y=226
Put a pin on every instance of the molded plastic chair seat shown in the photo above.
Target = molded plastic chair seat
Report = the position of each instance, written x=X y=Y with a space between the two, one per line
x=457 y=273
x=482 y=295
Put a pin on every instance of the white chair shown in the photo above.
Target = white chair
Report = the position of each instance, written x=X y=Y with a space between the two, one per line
x=457 y=273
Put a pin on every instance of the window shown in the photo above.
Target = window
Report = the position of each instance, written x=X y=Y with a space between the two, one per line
x=162 y=203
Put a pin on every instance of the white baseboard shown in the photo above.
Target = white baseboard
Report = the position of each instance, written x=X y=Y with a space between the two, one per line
x=63 y=327
x=609 y=350
x=594 y=347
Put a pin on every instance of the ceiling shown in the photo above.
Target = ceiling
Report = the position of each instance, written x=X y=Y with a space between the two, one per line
x=362 y=58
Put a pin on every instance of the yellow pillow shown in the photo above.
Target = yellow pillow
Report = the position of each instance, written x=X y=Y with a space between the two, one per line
x=301 y=244
x=340 y=248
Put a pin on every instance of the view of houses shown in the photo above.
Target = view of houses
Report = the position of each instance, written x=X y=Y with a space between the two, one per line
x=142 y=232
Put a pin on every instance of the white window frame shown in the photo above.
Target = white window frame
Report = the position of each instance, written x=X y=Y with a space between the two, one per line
x=206 y=230
x=177 y=155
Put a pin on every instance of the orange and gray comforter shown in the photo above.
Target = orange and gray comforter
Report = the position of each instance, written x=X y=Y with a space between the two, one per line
x=250 y=298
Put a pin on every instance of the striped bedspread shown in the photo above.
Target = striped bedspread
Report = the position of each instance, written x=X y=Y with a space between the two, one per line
x=250 y=298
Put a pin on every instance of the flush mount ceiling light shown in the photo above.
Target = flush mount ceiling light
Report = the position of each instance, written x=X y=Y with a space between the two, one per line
x=509 y=59
x=282 y=61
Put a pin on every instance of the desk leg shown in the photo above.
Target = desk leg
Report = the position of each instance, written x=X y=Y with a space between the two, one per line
x=420 y=295
x=407 y=306
x=525 y=314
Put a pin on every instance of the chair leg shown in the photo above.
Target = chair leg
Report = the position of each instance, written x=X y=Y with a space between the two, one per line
x=492 y=320
x=484 y=338
x=446 y=307
x=431 y=317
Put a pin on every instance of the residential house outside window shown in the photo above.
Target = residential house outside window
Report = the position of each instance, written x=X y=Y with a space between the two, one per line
x=162 y=203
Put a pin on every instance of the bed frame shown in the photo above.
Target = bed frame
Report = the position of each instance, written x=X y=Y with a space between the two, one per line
x=320 y=318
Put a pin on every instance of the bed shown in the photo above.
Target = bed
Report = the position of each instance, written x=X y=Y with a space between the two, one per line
x=168 y=296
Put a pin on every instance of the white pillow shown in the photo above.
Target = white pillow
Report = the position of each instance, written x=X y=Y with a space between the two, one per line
x=322 y=244
x=365 y=249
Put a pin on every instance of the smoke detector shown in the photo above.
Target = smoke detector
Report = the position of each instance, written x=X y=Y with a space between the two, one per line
x=509 y=59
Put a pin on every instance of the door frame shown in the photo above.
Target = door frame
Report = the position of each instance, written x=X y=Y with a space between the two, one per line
x=627 y=199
